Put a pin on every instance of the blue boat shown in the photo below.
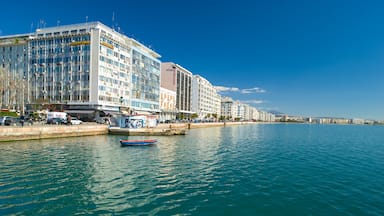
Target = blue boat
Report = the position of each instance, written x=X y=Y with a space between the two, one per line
x=138 y=142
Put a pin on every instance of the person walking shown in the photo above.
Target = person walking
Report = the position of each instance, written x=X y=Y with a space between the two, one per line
x=22 y=118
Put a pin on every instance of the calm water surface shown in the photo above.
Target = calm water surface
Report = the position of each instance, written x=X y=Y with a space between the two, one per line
x=263 y=169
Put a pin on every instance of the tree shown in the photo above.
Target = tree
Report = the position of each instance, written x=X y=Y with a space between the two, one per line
x=194 y=116
x=11 y=89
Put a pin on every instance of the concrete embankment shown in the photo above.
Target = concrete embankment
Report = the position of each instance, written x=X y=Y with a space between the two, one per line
x=147 y=131
x=57 y=131
x=50 y=131
x=201 y=125
x=170 y=129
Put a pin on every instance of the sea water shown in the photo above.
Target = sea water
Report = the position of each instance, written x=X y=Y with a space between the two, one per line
x=258 y=169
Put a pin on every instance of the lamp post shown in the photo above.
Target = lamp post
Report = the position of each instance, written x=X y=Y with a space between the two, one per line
x=121 y=103
x=23 y=96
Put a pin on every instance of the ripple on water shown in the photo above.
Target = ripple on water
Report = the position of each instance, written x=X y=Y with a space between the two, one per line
x=250 y=170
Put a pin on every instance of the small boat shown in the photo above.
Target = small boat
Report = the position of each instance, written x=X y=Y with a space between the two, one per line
x=137 y=142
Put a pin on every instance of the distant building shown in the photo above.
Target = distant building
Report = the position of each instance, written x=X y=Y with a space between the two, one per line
x=226 y=108
x=357 y=121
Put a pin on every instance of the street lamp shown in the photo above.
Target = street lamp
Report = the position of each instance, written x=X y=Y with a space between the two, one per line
x=23 y=96
x=121 y=103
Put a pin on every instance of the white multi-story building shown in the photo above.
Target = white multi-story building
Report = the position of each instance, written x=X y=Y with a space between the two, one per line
x=205 y=99
x=226 y=108
x=255 y=114
x=83 y=68
x=235 y=110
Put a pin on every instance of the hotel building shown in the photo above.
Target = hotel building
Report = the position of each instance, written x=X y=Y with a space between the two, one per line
x=82 y=68
x=178 y=79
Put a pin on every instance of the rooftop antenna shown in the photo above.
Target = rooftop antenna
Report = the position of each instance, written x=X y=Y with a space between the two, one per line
x=113 y=20
x=86 y=19
x=58 y=22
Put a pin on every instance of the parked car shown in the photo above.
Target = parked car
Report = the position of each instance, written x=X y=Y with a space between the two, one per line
x=2 y=119
x=11 y=121
x=76 y=121
x=103 y=120
x=56 y=121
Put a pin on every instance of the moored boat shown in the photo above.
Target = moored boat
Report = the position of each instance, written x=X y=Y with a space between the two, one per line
x=137 y=142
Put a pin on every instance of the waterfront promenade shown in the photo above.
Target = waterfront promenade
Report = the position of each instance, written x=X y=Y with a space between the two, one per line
x=43 y=131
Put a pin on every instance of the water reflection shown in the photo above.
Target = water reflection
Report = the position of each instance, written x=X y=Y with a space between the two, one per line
x=229 y=170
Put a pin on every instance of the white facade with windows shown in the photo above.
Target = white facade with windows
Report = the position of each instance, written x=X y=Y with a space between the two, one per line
x=205 y=99
x=85 y=66
x=235 y=110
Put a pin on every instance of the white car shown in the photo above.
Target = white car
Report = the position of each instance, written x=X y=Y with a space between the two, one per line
x=76 y=121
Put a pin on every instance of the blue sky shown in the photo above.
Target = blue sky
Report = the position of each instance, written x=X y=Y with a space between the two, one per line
x=310 y=58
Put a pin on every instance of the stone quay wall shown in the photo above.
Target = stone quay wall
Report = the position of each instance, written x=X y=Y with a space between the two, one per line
x=50 y=131
x=41 y=131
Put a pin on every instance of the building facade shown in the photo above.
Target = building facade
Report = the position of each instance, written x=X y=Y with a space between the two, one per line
x=176 y=78
x=167 y=105
x=205 y=99
x=85 y=67
x=13 y=72
x=226 y=108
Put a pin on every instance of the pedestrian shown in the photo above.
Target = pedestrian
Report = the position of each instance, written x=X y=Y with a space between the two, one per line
x=69 y=118
x=22 y=118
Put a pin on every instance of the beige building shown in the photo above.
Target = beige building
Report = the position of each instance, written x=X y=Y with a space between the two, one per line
x=167 y=105
x=176 y=78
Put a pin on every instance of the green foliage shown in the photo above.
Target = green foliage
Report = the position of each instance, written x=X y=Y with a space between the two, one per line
x=180 y=116
x=7 y=113
x=194 y=116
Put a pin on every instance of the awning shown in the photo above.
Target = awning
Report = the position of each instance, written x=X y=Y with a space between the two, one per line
x=80 y=111
x=107 y=112
x=137 y=112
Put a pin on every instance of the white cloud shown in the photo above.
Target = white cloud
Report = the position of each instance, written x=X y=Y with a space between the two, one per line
x=253 y=90
x=224 y=89
x=243 y=91
x=252 y=101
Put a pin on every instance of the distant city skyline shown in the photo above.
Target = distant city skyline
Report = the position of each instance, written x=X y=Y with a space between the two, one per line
x=298 y=57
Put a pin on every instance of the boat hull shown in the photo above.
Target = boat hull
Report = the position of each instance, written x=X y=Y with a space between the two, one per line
x=137 y=142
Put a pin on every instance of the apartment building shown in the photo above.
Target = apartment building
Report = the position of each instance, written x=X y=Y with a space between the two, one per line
x=206 y=101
